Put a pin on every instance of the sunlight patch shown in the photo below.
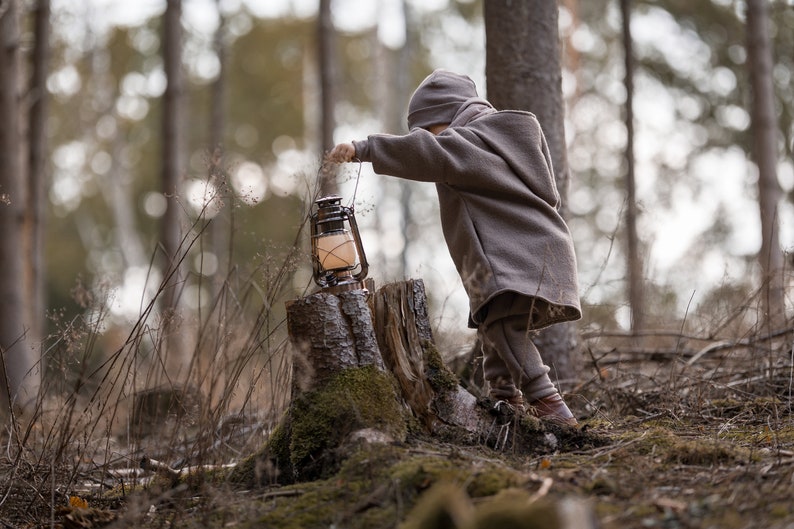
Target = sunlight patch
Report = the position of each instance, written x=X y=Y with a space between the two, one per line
x=155 y=204
x=249 y=182
x=135 y=292
x=203 y=197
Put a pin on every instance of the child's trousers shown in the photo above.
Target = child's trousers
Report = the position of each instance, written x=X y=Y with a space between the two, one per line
x=511 y=363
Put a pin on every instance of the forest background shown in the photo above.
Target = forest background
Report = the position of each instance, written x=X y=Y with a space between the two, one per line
x=252 y=87
x=158 y=164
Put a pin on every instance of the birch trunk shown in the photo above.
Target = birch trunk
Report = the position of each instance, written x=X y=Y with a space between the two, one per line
x=326 y=57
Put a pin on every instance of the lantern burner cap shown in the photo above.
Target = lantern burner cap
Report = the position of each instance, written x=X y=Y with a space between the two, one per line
x=329 y=200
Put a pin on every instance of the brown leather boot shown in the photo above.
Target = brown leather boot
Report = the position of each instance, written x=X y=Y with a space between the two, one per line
x=553 y=409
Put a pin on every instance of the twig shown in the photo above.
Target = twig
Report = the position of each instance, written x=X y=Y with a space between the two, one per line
x=726 y=344
x=611 y=449
x=591 y=335
x=152 y=465
x=641 y=355
x=545 y=486
x=282 y=494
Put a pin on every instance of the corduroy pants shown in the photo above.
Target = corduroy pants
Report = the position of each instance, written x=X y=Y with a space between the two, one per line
x=511 y=362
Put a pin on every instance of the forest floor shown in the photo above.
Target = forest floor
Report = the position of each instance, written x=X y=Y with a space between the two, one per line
x=671 y=440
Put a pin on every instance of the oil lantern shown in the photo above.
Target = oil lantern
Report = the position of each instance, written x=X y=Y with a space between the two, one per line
x=338 y=259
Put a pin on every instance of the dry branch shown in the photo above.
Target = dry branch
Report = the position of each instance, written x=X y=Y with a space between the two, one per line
x=152 y=465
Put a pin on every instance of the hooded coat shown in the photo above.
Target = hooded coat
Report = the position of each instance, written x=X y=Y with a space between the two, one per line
x=498 y=203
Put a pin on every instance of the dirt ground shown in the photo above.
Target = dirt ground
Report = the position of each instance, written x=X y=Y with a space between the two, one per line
x=688 y=439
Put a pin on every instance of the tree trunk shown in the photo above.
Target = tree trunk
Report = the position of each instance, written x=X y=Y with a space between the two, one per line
x=340 y=391
x=173 y=167
x=116 y=187
x=765 y=131
x=634 y=264
x=326 y=56
x=37 y=171
x=404 y=333
x=571 y=59
x=394 y=91
x=523 y=72
x=221 y=228
x=19 y=375
x=117 y=191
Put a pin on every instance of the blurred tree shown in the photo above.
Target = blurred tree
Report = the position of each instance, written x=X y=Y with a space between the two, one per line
x=392 y=66
x=634 y=259
x=691 y=89
x=19 y=375
x=173 y=170
x=765 y=140
x=35 y=212
x=326 y=59
x=523 y=72
x=222 y=220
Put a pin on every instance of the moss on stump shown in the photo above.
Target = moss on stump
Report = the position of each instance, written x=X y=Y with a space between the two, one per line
x=321 y=425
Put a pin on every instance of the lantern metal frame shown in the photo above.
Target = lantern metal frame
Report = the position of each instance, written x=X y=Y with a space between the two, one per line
x=330 y=218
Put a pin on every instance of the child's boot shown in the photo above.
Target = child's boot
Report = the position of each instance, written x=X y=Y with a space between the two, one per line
x=553 y=409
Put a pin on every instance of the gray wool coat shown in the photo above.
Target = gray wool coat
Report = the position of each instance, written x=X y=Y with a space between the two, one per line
x=499 y=207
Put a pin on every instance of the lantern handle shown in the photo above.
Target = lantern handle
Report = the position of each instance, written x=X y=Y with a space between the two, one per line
x=355 y=189
x=358 y=177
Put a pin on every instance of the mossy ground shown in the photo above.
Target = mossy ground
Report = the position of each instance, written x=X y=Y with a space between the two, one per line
x=667 y=473
x=668 y=462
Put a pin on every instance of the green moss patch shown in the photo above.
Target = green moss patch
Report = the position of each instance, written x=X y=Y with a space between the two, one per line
x=379 y=484
x=479 y=478
x=441 y=378
x=677 y=449
x=355 y=399
x=308 y=444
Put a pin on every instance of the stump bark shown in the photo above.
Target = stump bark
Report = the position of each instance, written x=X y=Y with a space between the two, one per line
x=406 y=343
x=361 y=359
x=330 y=333
x=389 y=329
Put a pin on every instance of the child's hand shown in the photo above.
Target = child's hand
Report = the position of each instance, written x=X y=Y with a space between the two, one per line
x=344 y=152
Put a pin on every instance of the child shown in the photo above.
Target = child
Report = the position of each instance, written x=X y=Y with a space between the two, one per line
x=499 y=213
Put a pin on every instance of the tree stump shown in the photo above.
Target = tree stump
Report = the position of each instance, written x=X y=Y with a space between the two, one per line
x=361 y=360
x=387 y=329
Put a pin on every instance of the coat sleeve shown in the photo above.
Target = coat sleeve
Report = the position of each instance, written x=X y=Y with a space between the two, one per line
x=453 y=156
